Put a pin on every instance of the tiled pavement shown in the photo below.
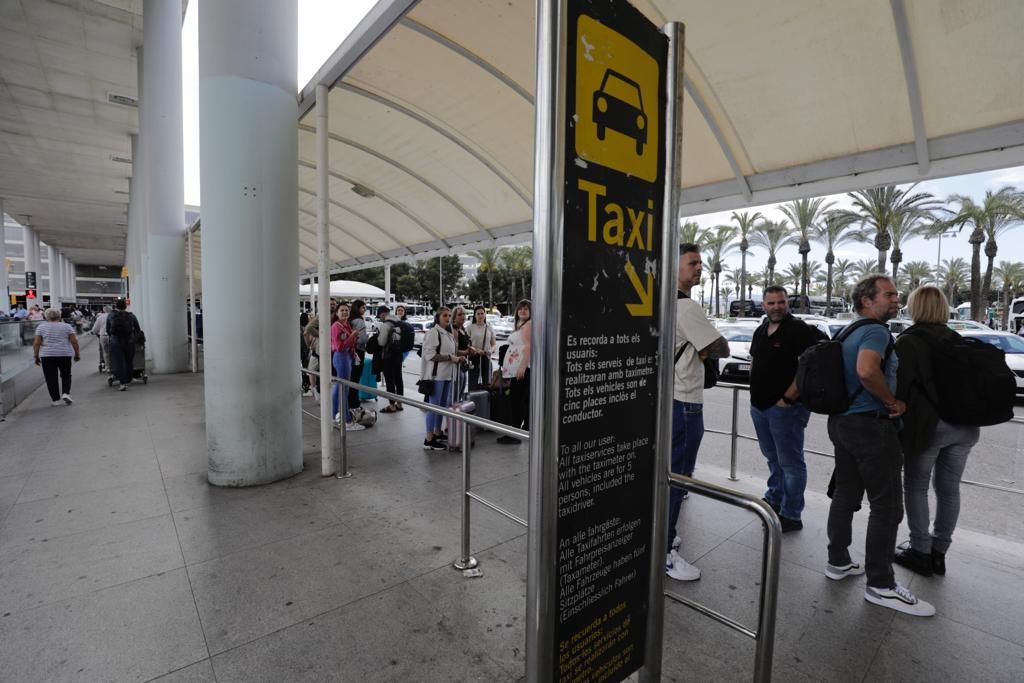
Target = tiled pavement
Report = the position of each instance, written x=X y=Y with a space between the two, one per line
x=119 y=563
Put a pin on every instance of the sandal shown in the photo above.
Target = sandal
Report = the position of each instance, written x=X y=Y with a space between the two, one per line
x=389 y=409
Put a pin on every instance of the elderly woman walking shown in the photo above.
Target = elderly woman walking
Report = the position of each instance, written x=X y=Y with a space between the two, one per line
x=54 y=347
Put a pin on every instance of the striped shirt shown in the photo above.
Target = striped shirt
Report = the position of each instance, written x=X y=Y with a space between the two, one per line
x=56 y=339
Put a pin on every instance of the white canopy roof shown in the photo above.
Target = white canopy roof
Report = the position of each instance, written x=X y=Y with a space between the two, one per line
x=347 y=289
x=431 y=111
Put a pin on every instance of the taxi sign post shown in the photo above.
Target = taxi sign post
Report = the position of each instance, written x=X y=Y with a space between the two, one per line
x=605 y=204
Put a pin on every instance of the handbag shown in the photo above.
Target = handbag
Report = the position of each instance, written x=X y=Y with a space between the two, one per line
x=426 y=386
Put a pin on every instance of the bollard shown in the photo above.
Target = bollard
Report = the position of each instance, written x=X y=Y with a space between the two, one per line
x=465 y=561
x=734 y=436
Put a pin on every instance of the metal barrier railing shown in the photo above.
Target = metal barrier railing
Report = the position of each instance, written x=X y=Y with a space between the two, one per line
x=735 y=436
x=466 y=422
x=764 y=636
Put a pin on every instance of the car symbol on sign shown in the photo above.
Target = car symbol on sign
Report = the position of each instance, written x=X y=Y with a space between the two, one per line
x=611 y=111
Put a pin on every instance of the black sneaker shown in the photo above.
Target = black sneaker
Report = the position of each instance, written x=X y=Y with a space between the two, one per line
x=915 y=561
x=433 y=445
x=508 y=439
x=938 y=563
x=790 y=524
x=773 y=506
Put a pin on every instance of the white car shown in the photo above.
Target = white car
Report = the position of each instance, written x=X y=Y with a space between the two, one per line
x=503 y=328
x=1011 y=344
x=736 y=368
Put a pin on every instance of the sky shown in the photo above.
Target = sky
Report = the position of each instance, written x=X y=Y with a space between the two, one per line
x=324 y=24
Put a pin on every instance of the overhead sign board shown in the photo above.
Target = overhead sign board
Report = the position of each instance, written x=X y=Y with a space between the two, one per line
x=30 y=279
x=614 y=184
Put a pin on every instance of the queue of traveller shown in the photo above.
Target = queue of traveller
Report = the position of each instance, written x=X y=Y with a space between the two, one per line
x=456 y=364
x=891 y=422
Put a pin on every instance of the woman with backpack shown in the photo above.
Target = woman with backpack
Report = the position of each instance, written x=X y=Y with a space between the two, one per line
x=482 y=344
x=930 y=444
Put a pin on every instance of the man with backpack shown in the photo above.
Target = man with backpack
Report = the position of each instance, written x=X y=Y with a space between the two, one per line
x=389 y=340
x=778 y=416
x=123 y=332
x=696 y=341
x=868 y=451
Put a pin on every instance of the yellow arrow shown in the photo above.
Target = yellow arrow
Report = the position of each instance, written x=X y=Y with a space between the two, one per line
x=645 y=308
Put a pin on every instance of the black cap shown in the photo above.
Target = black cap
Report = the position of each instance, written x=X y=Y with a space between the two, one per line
x=381 y=310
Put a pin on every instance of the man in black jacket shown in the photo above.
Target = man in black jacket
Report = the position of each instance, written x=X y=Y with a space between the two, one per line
x=779 y=417
x=123 y=331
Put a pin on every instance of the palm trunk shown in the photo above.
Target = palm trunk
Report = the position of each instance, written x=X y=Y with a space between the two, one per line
x=803 y=284
x=986 y=284
x=976 y=281
x=718 y=294
x=490 y=291
x=1006 y=308
x=828 y=291
x=743 y=283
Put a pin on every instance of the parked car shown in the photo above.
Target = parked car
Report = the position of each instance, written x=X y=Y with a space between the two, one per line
x=503 y=328
x=736 y=368
x=1011 y=344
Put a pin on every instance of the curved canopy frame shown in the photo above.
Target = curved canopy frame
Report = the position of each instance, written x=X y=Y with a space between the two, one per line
x=431 y=111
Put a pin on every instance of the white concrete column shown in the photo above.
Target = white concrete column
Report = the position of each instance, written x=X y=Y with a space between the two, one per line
x=53 y=273
x=5 y=287
x=73 y=280
x=387 y=284
x=323 y=221
x=136 y=224
x=249 y=174
x=164 y=272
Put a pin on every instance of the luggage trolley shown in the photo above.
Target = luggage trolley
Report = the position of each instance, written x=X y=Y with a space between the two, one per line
x=138 y=367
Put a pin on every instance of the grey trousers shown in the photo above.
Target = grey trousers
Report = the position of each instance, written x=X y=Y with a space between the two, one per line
x=947 y=457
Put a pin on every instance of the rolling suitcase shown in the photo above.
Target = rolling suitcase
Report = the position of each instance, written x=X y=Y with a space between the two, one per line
x=461 y=403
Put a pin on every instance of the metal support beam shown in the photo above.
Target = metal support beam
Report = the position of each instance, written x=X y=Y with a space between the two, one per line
x=324 y=278
x=899 y=16
x=716 y=130
x=194 y=342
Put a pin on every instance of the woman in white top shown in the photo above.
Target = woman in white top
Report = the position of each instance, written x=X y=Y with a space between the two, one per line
x=54 y=346
x=440 y=360
x=482 y=344
x=516 y=368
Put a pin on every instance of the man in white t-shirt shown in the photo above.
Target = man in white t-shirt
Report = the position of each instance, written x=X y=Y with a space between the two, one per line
x=696 y=339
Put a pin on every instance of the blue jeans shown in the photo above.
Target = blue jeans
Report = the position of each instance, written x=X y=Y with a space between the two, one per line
x=342 y=363
x=439 y=397
x=947 y=457
x=687 y=432
x=780 y=434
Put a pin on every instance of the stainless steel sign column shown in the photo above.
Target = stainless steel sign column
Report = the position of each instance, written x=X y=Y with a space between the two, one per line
x=604 y=424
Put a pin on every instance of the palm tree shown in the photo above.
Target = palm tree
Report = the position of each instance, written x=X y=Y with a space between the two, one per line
x=833 y=232
x=690 y=232
x=719 y=245
x=793 y=274
x=805 y=214
x=917 y=273
x=772 y=236
x=488 y=259
x=745 y=224
x=841 y=277
x=878 y=208
x=1011 y=278
x=997 y=212
x=905 y=227
x=952 y=276
x=516 y=262
x=866 y=266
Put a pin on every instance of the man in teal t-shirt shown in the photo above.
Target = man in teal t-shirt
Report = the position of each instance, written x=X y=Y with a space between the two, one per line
x=868 y=453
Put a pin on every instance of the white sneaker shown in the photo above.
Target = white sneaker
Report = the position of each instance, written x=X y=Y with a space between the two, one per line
x=58 y=402
x=899 y=598
x=676 y=542
x=307 y=393
x=353 y=427
x=839 y=573
x=679 y=569
x=66 y=398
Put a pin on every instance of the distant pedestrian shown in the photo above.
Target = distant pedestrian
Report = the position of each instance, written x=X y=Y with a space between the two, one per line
x=438 y=366
x=54 y=347
x=933 y=449
x=389 y=340
x=357 y=322
x=124 y=332
x=99 y=328
x=516 y=369
x=778 y=416
x=482 y=344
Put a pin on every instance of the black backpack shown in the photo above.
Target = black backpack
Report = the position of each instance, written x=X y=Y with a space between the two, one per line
x=408 y=336
x=975 y=386
x=711 y=371
x=121 y=325
x=821 y=375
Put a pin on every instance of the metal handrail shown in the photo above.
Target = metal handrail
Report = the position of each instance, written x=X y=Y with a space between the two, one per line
x=466 y=560
x=764 y=636
x=734 y=435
